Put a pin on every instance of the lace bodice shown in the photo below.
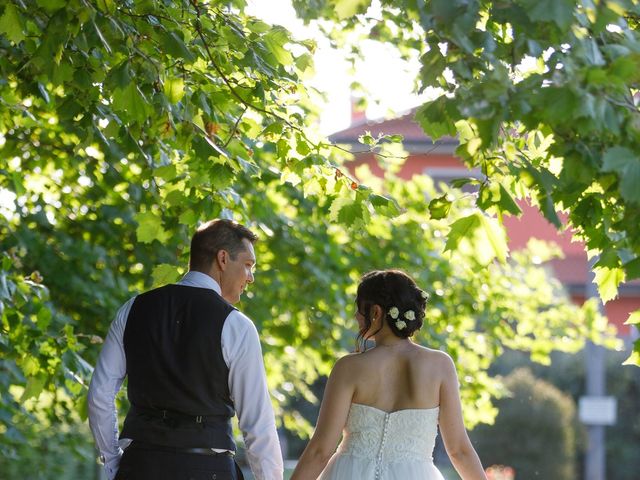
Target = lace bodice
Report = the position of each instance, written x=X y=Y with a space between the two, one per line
x=389 y=437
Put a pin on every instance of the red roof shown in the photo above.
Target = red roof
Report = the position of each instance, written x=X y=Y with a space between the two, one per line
x=404 y=125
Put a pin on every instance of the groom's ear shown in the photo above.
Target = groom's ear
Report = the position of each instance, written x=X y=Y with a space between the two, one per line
x=222 y=258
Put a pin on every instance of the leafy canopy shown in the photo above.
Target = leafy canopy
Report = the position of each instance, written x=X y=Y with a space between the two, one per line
x=543 y=96
x=123 y=125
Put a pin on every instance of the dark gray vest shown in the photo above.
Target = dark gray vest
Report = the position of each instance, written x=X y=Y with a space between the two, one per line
x=178 y=381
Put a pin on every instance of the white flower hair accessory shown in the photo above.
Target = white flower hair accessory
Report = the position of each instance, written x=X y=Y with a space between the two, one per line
x=394 y=312
x=401 y=325
x=424 y=294
x=409 y=315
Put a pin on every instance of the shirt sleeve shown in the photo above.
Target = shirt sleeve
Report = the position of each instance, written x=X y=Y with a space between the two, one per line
x=248 y=385
x=105 y=383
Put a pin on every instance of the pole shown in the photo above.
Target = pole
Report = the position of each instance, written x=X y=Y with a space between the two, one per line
x=595 y=460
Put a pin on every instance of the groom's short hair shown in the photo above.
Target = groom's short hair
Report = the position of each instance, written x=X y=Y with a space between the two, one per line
x=216 y=235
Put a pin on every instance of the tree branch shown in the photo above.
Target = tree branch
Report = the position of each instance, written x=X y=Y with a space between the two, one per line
x=235 y=127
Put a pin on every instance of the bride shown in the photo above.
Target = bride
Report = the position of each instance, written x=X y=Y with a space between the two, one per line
x=389 y=400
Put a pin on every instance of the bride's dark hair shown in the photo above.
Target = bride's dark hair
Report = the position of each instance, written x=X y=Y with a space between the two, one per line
x=389 y=289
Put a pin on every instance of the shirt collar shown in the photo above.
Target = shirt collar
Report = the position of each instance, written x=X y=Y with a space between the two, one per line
x=200 y=280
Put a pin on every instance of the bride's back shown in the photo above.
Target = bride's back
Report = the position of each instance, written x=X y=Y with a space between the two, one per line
x=398 y=377
x=388 y=402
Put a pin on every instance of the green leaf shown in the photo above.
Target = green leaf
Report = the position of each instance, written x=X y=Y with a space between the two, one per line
x=30 y=366
x=275 y=41
x=222 y=176
x=395 y=138
x=304 y=62
x=507 y=204
x=44 y=319
x=274 y=128
x=433 y=65
x=559 y=103
x=634 y=318
x=439 y=207
x=174 y=45
x=384 y=206
x=282 y=148
x=302 y=147
x=132 y=103
x=616 y=159
x=18 y=185
x=549 y=209
x=107 y=6
x=258 y=26
x=82 y=405
x=11 y=24
x=446 y=10
x=175 y=198
x=166 y=172
x=164 y=274
x=348 y=8
x=484 y=235
x=461 y=182
x=488 y=196
x=120 y=76
x=462 y=228
x=435 y=120
x=632 y=269
x=52 y=5
x=558 y=11
x=188 y=217
x=492 y=236
x=150 y=228
x=607 y=280
x=626 y=164
x=348 y=211
x=367 y=139
x=174 y=89
x=34 y=387
x=205 y=147
x=608 y=258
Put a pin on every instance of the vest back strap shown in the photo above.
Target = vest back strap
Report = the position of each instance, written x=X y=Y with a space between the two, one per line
x=181 y=417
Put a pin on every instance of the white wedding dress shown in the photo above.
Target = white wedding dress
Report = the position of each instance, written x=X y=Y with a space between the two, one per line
x=379 y=445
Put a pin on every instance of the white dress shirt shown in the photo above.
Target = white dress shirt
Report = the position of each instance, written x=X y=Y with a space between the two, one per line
x=247 y=383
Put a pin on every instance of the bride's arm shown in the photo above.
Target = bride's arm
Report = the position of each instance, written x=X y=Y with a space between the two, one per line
x=331 y=420
x=456 y=441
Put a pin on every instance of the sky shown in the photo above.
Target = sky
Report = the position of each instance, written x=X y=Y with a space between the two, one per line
x=387 y=78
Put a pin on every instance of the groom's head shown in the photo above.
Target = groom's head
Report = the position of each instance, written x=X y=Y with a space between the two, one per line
x=223 y=249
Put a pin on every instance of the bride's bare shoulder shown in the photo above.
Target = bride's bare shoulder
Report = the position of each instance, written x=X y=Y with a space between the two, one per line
x=347 y=360
x=433 y=353
x=344 y=367
x=437 y=358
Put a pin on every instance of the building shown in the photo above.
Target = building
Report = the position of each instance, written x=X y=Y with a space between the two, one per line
x=438 y=161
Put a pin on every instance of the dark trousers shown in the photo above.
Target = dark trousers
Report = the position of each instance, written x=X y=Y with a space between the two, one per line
x=151 y=462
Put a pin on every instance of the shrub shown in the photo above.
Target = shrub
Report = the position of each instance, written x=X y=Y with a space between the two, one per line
x=534 y=431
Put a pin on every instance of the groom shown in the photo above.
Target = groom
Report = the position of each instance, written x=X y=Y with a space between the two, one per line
x=192 y=361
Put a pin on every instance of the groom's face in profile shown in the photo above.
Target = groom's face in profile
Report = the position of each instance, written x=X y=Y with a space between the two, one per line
x=238 y=273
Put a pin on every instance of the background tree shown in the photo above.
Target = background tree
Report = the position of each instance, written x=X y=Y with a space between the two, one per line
x=566 y=373
x=543 y=97
x=534 y=431
x=124 y=125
